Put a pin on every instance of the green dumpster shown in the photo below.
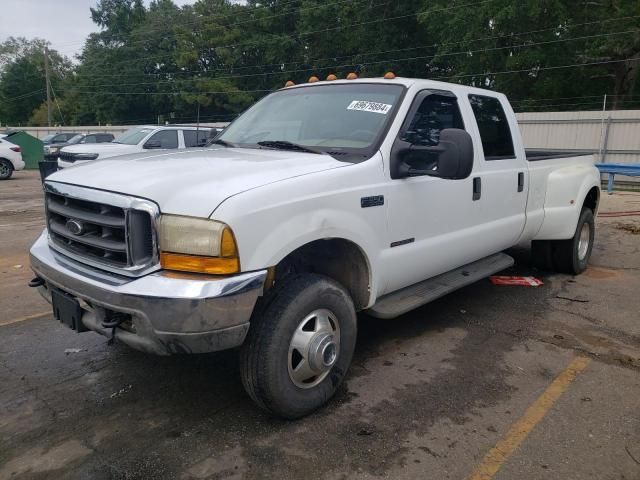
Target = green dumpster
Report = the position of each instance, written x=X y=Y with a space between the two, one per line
x=32 y=148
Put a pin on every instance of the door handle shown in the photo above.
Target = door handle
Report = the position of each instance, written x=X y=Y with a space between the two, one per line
x=521 y=182
x=477 y=188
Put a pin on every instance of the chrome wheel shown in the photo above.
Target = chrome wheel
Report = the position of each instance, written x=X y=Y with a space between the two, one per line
x=583 y=241
x=314 y=348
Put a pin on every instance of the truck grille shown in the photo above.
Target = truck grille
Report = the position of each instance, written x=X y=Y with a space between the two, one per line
x=107 y=235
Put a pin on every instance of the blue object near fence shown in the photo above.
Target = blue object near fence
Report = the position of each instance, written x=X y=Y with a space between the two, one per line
x=613 y=169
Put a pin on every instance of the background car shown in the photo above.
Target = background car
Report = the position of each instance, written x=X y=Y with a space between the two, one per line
x=136 y=140
x=52 y=150
x=58 y=137
x=10 y=159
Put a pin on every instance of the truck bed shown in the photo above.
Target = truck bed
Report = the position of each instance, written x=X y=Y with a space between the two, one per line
x=536 y=155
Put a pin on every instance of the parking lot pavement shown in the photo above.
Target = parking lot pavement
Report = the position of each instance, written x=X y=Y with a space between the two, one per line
x=489 y=382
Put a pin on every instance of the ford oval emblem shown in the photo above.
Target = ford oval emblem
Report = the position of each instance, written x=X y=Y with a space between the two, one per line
x=75 y=226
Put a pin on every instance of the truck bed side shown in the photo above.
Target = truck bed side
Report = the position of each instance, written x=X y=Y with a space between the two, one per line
x=537 y=155
x=559 y=187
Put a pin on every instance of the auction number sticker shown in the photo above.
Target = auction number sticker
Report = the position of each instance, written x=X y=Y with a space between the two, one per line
x=374 y=107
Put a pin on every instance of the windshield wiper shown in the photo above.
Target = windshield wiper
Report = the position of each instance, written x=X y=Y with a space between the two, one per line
x=286 y=145
x=223 y=142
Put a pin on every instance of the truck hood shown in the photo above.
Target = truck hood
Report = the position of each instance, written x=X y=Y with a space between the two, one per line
x=193 y=182
x=102 y=149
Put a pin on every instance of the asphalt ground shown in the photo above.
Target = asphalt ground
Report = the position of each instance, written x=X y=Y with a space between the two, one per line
x=489 y=382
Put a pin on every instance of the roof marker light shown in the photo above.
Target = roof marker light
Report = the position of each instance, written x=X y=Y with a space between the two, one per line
x=289 y=83
x=313 y=79
x=352 y=76
x=389 y=75
x=331 y=77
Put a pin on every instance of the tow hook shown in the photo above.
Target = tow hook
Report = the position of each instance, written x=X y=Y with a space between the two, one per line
x=36 y=282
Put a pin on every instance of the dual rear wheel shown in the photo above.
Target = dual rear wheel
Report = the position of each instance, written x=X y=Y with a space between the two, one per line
x=567 y=256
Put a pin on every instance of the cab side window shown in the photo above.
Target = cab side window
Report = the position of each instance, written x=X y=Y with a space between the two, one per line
x=193 y=138
x=493 y=124
x=436 y=113
x=167 y=138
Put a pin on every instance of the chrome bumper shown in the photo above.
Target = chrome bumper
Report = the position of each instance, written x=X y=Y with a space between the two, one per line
x=170 y=313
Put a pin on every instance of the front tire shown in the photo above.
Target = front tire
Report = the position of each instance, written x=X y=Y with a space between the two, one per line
x=6 y=169
x=300 y=345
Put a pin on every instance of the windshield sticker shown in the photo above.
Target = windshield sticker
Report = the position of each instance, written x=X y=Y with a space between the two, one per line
x=374 y=107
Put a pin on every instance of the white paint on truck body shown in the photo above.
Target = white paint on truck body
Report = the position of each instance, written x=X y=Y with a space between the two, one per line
x=277 y=201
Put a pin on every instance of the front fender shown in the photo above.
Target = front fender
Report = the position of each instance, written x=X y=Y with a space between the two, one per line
x=567 y=189
x=306 y=227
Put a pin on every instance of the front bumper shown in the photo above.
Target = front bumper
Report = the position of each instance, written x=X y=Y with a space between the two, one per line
x=169 y=313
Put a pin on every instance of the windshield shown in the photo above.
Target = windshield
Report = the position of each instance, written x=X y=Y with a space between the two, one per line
x=48 y=138
x=75 y=139
x=133 y=136
x=340 y=119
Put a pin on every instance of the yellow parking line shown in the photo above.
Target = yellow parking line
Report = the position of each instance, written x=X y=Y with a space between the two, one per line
x=499 y=454
x=22 y=319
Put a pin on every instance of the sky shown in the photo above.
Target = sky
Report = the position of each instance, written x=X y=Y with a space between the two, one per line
x=65 y=23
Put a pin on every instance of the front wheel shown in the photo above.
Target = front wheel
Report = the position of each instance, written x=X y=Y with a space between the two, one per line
x=6 y=169
x=300 y=346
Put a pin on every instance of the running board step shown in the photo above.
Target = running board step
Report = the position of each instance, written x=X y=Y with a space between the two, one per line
x=414 y=296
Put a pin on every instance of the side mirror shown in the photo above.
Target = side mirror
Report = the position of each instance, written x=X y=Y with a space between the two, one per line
x=454 y=153
x=152 y=144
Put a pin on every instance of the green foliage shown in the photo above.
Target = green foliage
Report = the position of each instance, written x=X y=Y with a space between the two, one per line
x=159 y=62
x=22 y=78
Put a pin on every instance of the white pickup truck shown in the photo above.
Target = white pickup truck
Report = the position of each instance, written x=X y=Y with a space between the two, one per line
x=322 y=200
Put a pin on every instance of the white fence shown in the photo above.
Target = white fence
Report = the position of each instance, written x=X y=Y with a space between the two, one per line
x=614 y=135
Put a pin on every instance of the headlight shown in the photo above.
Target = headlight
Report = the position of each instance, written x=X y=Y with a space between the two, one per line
x=53 y=149
x=86 y=156
x=197 y=245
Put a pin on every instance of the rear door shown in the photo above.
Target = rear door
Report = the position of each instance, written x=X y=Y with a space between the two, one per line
x=503 y=171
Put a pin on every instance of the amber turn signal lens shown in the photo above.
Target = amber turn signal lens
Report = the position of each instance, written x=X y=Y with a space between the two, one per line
x=228 y=248
x=198 y=264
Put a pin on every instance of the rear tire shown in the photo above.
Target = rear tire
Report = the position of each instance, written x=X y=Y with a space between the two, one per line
x=572 y=256
x=6 y=169
x=300 y=345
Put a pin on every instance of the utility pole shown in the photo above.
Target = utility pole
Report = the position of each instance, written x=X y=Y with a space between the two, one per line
x=602 y=134
x=46 y=79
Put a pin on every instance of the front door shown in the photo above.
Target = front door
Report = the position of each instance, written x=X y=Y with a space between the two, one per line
x=434 y=223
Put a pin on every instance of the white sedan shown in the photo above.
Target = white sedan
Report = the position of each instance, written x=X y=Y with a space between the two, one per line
x=10 y=159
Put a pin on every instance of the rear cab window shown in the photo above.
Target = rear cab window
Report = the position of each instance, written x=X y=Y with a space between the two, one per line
x=493 y=124
x=195 y=138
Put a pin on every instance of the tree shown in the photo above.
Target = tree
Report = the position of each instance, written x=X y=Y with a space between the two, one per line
x=22 y=78
x=620 y=49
